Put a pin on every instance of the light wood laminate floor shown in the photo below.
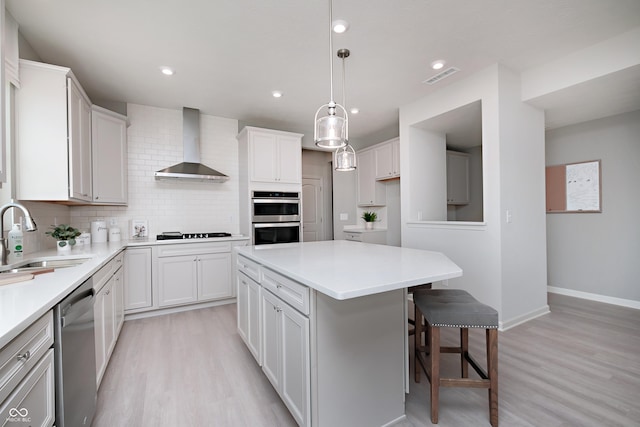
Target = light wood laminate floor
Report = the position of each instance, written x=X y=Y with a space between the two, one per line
x=577 y=366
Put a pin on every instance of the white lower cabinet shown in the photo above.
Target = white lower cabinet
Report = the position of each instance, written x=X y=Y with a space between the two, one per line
x=193 y=272
x=137 y=279
x=286 y=357
x=32 y=403
x=249 y=313
x=27 y=391
x=108 y=311
x=319 y=352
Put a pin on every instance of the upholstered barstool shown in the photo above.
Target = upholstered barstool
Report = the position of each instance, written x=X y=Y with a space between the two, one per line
x=455 y=308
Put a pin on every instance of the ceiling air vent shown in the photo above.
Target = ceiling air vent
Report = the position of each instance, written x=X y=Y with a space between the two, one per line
x=442 y=75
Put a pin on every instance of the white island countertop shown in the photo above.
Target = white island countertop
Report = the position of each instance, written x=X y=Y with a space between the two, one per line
x=343 y=269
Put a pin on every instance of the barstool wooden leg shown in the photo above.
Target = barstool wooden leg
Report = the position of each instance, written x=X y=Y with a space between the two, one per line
x=417 y=341
x=464 y=349
x=434 y=362
x=492 y=371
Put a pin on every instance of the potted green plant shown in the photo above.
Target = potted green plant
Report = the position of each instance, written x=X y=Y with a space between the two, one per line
x=65 y=236
x=369 y=219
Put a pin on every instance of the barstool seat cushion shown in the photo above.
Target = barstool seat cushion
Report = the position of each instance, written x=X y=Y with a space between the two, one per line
x=454 y=308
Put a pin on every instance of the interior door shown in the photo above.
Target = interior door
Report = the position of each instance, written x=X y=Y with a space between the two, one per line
x=312 y=209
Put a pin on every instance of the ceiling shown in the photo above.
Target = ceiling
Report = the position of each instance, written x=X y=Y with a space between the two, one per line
x=229 y=55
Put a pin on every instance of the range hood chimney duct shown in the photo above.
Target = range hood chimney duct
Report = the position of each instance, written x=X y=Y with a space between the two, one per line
x=191 y=168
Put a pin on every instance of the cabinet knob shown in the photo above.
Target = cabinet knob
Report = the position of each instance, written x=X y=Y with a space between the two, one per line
x=24 y=357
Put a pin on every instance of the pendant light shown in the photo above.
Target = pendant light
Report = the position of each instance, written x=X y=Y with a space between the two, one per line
x=344 y=158
x=331 y=129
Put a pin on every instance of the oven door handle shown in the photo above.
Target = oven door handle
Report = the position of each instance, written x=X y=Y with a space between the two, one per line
x=276 y=224
x=276 y=201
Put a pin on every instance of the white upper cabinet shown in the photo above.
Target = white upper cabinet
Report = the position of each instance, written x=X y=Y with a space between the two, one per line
x=109 y=148
x=273 y=156
x=79 y=117
x=457 y=178
x=388 y=159
x=370 y=191
x=53 y=129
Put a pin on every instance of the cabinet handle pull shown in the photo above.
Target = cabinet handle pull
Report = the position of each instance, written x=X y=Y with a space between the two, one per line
x=278 y=286
x=24 y=357
x=278 y=309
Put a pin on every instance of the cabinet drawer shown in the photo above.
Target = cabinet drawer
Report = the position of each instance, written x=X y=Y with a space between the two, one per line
x=354 y=237
x=21 y=354
x=32 y=402
x=293 y=293
x=102 y=276
x=249 y=268
x=192 y=249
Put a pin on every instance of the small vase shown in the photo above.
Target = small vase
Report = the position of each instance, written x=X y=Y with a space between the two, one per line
x=368 y=225
x=63 y=247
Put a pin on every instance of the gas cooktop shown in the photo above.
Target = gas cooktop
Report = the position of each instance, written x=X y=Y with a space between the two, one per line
x=175 y=235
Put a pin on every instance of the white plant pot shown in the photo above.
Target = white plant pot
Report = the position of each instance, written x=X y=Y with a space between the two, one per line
x=63 y=249
x=368 y=225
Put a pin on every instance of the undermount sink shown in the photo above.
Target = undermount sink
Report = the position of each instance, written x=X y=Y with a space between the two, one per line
x=50 y=263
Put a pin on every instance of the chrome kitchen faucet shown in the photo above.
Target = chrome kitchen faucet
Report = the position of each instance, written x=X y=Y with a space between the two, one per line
x=29 y=225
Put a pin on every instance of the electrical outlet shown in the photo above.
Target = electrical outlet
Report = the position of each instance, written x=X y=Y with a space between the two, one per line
x=344 y=217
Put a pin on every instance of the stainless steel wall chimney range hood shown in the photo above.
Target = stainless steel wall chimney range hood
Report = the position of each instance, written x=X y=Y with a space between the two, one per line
x=191 y=168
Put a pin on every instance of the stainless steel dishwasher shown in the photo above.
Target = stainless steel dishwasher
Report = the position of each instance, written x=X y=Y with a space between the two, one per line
x=75 y=358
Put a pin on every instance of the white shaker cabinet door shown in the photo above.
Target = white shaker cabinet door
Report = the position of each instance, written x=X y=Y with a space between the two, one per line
x=249 y=315
x=177 y=280
x=290 y=160
x=79 y=144
x=109 y=148
x=264 y=157
x=137 y=278
x=296 y=375
x=214 y=276
x=271 y=338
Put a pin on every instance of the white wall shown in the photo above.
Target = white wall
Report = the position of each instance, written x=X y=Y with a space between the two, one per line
x=155 y=142
x=344 y=202
x=479 y=249
x=598 y=253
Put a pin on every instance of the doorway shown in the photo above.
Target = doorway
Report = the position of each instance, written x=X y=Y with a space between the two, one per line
x=312 y=210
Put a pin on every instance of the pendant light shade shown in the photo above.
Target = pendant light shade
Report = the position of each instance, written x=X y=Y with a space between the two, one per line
x=344 y=159
x=331 y=128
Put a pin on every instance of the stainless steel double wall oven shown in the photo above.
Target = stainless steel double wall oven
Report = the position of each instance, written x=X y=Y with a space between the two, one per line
x=275 y=217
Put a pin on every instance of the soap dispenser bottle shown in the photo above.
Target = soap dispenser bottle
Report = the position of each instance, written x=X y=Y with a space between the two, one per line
x=16 y=240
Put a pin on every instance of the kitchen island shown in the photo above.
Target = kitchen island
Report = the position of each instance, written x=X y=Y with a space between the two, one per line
x=327 y=321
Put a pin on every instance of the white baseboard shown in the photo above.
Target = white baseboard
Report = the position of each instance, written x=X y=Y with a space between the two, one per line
x=503 y=326
x=595 y=297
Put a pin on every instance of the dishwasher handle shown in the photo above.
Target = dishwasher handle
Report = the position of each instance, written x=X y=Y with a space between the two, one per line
x=75 y=308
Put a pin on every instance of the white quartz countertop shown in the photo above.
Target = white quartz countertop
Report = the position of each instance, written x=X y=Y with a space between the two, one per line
x=342 y=269
x=23 y=303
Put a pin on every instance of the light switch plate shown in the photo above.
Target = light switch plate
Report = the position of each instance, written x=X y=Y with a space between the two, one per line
x=344 y=217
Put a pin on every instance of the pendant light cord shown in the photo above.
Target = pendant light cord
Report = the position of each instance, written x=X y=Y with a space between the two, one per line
x=331 y=48
x=344 y=79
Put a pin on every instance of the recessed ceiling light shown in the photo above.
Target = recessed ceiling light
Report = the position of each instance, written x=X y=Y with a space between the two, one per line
x=436 y=65
x=354 y=110
x=167 y=71
x=276 y=94
x=340 y=26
